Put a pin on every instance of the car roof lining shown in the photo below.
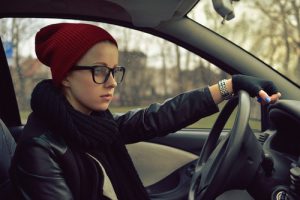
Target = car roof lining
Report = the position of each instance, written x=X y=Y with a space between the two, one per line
x=55 y=8
x=139 y=13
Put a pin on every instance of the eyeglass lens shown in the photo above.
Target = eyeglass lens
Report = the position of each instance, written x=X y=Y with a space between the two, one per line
x=101 y=74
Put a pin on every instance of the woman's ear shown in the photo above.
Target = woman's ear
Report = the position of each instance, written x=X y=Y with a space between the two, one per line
x=65 y=82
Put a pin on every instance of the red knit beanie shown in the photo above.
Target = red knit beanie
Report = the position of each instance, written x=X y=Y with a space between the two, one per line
x=60 y=46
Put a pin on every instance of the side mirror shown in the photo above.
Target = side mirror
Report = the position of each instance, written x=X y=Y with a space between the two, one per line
x=224 y=8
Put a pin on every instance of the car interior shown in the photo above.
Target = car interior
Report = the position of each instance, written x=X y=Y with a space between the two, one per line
x=221 y=162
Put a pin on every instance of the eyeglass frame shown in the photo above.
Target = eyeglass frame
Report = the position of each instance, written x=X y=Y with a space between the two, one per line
x=92 y=69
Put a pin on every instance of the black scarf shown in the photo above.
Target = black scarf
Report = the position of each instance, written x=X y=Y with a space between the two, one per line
x=96 y=134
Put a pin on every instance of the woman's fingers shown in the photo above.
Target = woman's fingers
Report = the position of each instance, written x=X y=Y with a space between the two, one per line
x=264 y=98
x=275 y=97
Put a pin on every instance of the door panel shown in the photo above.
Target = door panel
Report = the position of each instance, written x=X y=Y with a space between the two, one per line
x=165 y=165
x=159 y=157
x=191 y=140
x=154 y=162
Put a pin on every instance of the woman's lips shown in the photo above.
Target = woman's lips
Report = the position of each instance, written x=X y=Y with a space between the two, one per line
x=106 y=97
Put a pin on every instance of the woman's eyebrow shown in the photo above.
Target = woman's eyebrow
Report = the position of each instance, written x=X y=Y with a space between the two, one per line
x=100 y=63
x=103 y=63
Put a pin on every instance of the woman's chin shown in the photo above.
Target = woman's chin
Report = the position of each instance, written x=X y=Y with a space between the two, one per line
x=101 y=108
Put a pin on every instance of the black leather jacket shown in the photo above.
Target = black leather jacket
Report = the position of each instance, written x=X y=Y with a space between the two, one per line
x=41 y=163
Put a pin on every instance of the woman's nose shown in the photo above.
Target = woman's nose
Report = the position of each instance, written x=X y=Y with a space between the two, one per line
x=111 y=82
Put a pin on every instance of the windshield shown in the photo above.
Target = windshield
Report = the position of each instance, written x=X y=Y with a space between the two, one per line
x=270 y=30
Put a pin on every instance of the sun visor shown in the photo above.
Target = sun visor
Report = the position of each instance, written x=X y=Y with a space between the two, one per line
x=149 y=13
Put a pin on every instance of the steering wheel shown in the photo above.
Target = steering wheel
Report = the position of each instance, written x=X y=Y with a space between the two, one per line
x=231 y=163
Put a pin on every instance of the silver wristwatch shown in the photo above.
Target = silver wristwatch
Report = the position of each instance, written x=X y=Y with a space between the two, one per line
x=223 y=90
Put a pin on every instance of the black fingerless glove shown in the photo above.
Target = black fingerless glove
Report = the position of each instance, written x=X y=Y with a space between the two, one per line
x=252 y=85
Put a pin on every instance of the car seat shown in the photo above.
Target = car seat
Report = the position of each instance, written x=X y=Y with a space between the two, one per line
x=7 y=149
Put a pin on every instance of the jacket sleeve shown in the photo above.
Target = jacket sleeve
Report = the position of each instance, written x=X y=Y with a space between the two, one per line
x=170 y=116
x=36 y=173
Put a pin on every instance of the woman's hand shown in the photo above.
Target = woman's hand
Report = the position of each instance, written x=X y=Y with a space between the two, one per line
x=264 y=90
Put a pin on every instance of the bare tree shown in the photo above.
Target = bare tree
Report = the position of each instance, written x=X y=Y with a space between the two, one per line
x=18 y=31
x=286 y=36
x=178 y=69
x=164 y=49
x=296 y=40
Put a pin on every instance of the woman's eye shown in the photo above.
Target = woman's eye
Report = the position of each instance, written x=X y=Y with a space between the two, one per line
x=100 y=71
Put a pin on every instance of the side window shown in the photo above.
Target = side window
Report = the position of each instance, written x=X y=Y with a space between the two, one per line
x=155 y=69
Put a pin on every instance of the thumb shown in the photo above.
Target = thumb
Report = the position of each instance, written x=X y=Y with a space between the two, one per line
x=263 y=97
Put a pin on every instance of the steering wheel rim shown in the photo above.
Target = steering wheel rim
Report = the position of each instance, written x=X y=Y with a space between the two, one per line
x=208 y=177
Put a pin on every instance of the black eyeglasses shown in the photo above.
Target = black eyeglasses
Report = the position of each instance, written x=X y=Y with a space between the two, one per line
x=101 y=73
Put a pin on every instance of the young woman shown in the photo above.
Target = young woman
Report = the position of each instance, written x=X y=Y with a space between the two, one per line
x=72 y=146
